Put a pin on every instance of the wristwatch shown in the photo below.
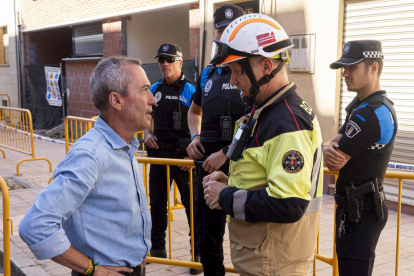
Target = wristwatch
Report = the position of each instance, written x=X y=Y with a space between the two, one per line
x=225 y=150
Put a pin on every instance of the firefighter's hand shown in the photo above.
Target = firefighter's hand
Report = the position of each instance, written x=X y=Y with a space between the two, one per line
x=212 y=190
x=150 y=140
x=193 y=149
x=216 y=176
x=214 y=161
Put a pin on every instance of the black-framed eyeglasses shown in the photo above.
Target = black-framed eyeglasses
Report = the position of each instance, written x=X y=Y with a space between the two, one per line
x=167 y=59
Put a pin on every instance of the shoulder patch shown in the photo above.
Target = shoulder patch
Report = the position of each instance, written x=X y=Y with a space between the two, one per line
x=293 y=161
x=352 y=129
x=306 y=107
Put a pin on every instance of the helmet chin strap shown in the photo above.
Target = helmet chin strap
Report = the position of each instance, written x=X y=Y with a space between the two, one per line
x=255 y=89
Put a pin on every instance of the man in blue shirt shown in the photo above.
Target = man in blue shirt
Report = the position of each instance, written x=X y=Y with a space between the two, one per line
x=93 y=217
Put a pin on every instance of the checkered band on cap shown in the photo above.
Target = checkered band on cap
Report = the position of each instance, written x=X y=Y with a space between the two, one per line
x=373 y=54
x=376 y=146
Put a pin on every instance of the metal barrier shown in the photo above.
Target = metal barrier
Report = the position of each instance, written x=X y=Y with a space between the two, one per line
x=16 y=133
x=7 y=231
x=334 y=261
x=168 y=163
x=78 y=127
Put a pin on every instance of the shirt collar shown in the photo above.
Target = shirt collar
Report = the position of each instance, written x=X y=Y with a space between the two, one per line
x=181 y=78
x=113 y=138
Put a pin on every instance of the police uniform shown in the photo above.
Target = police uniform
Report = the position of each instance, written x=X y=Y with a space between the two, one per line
x=274 y=196
x=172 y=143
x=217 y=97
x=368 y=136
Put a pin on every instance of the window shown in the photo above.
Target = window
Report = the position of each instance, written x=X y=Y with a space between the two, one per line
x=88 y=40
x=4 y=46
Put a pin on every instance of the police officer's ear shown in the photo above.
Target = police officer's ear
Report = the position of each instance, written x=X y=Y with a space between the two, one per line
x=115 y=101
x=374 y=68
x=181 y=63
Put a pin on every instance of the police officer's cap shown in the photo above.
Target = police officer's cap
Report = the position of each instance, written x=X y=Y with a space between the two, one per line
x=169 y=49
x=225 y=14
x=356 y=51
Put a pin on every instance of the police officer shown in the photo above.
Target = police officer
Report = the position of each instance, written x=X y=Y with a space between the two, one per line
x=361 y=152
x=169 y=139
x=274 y=192
x=216 y=107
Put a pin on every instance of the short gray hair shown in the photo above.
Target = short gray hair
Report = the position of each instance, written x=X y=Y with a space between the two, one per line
x=109 y=77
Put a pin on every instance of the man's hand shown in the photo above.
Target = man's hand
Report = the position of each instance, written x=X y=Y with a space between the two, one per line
x=193 y=149
x=102 y=270
x=332 y=157
x=150 y=140
x=185 y=168
x=216 y=176
x=214 y=161
x=212 y=190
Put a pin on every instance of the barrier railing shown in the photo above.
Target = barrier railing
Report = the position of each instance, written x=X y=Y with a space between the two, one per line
x=7 y=227
x=333 y=261
x=75 y=128
x=168 y=163
x=16 y=133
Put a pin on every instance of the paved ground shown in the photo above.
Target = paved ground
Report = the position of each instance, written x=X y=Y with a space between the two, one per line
x=36 y=175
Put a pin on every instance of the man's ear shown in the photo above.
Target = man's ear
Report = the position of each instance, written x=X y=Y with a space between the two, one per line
x=267 y=65
x=374 y=67
x=115 y=100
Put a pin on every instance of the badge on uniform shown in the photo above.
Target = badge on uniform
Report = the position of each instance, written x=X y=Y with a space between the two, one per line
x=207 y=87
x=352 y=129
x=293 y=161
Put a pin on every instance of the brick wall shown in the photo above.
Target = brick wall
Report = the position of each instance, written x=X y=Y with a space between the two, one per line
x=112 y=36
x=80 y=102
x=45 y=47
x=42 y=13
x=194 y=21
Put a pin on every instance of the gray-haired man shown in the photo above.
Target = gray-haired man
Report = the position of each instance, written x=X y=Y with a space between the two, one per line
x=93 y=217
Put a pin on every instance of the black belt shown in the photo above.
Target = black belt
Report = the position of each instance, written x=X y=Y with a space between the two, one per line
x=343 y=203
x=139 y=270
x=169 y=146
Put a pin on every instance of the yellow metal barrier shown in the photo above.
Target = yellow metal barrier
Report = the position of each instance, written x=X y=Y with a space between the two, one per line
x=78 y=127
x=390 y=175
x=16 y=133
x=7 y=227
x=168 y=163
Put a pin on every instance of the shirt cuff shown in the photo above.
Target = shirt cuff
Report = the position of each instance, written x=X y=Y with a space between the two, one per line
x=52 y=246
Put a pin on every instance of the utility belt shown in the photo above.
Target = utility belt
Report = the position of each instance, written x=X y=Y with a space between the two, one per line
x=179 y=147
x=366 y=196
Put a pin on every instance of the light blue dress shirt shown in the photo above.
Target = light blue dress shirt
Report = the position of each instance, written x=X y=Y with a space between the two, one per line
x=96 y=203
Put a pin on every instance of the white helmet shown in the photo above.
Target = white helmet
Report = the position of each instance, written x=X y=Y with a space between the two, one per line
x=251 y=35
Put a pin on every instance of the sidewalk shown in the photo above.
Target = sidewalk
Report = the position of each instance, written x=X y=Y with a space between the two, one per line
x=36 y=175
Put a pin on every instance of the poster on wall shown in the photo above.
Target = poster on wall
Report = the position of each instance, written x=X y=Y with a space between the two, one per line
x=53 y=96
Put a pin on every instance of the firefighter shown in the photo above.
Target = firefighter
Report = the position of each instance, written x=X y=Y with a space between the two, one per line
x=274 y=193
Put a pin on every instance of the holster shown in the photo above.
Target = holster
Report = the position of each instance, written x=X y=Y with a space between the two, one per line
x=362 y=197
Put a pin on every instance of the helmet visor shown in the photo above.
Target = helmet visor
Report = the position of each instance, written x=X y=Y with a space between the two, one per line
x=221 y=51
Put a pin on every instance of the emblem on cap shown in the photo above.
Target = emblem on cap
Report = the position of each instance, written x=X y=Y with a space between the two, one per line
x=165 y=47
x=292 y=161
x=208 y=85
x=346 y=48
x=229 y=14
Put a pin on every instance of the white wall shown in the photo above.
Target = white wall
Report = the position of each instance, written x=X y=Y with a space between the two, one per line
x=147 y=31
x=321 y=17
x=8 y=72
